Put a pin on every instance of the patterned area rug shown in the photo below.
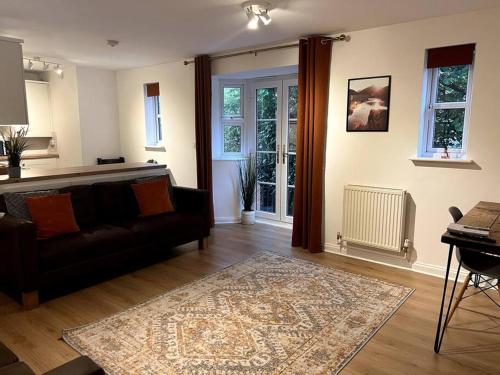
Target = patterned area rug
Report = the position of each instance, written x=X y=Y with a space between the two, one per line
x=267 y=315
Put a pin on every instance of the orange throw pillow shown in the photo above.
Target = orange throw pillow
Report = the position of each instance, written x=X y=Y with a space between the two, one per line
x=53 y=215
x=153 y=197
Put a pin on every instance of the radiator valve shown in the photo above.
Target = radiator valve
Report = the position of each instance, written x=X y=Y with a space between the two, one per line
x=406 y=244
x=339 y=238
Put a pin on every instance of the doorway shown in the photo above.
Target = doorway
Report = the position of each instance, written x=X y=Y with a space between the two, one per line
x=275 y=103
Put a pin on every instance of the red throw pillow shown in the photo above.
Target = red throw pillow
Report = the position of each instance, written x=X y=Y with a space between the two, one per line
x=53 y=215
x=153 y=197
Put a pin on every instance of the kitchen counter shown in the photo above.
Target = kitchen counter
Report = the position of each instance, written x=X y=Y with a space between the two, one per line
x=85 y=174
x=35 y=156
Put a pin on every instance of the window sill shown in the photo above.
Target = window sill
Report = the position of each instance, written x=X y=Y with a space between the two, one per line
x=158 y=148
x=227 y=158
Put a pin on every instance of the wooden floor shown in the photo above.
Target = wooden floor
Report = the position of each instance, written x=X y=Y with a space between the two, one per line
x=402 y=346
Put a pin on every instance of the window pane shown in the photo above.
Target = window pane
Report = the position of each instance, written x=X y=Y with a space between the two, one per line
x=267 y=103
x=452 y=84
x=292 y=136
x=266 y=135
x=291 y=169
x=266 y=198
x=232 y=138
x=266 y=167
x=448 y=128
x=289 y=202
x=292 y=102
x=232 y=102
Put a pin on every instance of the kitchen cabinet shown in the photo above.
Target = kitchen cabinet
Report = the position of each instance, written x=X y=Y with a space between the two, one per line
x=12 y=90
x=39 y=115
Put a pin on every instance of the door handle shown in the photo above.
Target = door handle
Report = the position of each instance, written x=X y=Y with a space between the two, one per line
x=278 y=155
x=284 y=154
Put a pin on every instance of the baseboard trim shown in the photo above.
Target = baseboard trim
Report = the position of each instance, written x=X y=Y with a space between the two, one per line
x=227 y=220
x=394 y=261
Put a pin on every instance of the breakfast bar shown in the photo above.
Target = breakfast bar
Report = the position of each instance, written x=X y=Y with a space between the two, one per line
x=39 y=179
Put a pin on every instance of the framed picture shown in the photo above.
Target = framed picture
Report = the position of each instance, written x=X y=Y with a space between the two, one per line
x=368 y=102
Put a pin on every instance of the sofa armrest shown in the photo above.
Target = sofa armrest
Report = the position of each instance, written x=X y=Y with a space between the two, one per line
x=18 y=255
x=79 y=366
x=191 y=200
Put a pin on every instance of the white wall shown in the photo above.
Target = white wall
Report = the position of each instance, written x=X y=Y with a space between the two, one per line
x=98 y=107
x=177 y=108
x=66 y=117
x=381 y=159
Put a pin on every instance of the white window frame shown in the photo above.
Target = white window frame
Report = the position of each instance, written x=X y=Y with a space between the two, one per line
x=232 y=120
x=426 y=148
x=153 y=124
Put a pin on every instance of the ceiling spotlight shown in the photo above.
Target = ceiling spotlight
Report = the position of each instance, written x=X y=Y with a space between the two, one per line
x=112 y=42
x=253 y=21
x=58 y=70
x=30 y=65
x=266 y=20
x=257 y=12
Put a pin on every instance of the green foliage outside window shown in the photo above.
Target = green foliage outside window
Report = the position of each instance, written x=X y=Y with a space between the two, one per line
x=232 y=102
x=232 y=138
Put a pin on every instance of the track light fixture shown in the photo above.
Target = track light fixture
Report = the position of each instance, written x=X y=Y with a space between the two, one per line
x=37 y=64
x=257 y=12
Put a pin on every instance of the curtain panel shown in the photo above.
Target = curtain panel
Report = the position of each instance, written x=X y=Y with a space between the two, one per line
x=313 y=87
x=203 y=123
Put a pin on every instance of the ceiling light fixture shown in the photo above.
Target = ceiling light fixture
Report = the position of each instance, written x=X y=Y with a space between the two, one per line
x=38 y=65
x=58 y=70
x=257 y=12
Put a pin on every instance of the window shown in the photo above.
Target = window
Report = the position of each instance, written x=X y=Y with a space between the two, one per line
x=447 y=103
x=154 y=131
x=232 y=119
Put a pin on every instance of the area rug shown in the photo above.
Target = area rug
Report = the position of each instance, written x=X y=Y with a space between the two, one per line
x=267 y=315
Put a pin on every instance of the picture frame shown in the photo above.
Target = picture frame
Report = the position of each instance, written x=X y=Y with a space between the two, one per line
x=368 y=104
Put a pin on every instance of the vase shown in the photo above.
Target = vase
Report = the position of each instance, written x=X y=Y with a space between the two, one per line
x=14 y=172
x=247 y=217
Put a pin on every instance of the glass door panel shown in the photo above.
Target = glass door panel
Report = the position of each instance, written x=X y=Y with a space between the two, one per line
x=268 y=119
x=289 y=130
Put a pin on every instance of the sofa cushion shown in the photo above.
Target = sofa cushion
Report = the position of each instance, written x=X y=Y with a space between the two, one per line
x=115 y=201
x=16 y=202
x=84 y=204
x=18 y=368
x=170 y=187
x=166 y=227
x=89 y=243
x=53 y=215
x=6 y=356
x=153 y=197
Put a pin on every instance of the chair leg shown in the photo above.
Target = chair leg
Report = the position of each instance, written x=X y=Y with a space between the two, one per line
x=459 y=297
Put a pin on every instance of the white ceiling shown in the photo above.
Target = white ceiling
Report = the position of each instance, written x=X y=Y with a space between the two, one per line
x=155 y=31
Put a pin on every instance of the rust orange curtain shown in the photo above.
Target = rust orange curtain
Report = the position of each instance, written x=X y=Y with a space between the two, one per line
x=313 y=84
x=203 y=120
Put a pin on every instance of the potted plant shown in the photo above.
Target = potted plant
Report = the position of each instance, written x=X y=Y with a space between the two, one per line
x=247 y=182
x=15 y=144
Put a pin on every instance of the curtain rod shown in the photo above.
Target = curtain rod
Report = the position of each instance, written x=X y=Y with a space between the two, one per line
x=341 y=37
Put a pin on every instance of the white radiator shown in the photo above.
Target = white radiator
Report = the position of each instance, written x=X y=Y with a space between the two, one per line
x=374 y=217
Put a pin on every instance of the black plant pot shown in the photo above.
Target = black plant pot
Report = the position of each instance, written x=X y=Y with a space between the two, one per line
x=14 y=172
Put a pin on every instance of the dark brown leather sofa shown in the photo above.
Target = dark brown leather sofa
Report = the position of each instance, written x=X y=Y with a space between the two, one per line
x=10 y=365
x=113 y=238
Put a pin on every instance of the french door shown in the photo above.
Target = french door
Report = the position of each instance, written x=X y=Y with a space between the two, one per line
x=276 y=129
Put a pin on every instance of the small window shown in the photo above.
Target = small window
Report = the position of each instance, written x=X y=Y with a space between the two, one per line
x=154 y=131
x=448 y=100
x=232 y=119
x=232 y=102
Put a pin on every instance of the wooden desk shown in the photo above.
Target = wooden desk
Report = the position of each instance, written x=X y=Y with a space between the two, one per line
x=484 y=215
